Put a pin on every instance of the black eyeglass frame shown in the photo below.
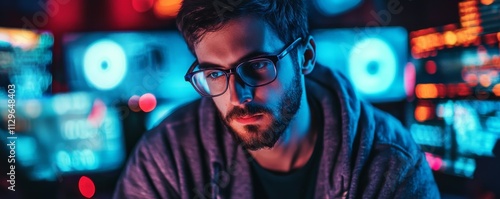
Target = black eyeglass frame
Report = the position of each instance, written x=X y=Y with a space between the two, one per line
x=273 y=58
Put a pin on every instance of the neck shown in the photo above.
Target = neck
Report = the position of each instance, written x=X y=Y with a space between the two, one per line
x=295 y=147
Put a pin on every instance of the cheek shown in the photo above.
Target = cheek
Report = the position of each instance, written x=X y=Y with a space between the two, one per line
x=221 y=104
x=271 y=92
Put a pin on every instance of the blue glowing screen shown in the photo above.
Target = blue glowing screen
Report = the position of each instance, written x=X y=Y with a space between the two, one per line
x=372 y=58
x=455 y=115
x=25 y=59
x=335 y=7
x=119 y=65
x=68 y=134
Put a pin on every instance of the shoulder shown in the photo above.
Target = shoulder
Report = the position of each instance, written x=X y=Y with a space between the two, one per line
x=390 y=136
x=177 y=129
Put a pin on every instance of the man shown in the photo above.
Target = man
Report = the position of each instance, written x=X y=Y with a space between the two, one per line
x=270 y=124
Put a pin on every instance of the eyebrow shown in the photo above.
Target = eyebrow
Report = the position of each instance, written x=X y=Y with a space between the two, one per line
x=251 y=55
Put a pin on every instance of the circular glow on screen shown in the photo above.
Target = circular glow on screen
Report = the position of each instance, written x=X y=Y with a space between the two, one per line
x=105 y=64
x=372 y=66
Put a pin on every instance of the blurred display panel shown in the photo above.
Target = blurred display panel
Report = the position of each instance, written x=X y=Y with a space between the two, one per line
x=335 y=7
x=489 y=15
x=121 y=65
x=455 y=114
x=25 y=57
x=67 y=134
x=374 y=59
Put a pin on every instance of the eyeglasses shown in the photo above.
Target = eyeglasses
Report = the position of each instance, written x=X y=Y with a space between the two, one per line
x=258 y=71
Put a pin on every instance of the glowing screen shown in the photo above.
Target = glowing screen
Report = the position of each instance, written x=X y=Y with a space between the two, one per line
x=373 y=58
x=119 y=65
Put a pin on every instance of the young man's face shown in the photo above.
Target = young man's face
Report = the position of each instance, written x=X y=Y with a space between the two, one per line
x=257 y=116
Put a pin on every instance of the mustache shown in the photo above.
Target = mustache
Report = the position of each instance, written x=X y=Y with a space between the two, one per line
x=249 y=109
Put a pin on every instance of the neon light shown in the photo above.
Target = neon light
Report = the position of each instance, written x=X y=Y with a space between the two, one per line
x=86 y=187
x=167 y=8
x=430 y=67
x=427 y=135
x=410 y=77
x=105 y=64
x=63 y=161
x=373 y=66
x=147 y=102
x=426 y=91
x=335 y=7
x=142 y=5
x=423 y=113
x=496 y=90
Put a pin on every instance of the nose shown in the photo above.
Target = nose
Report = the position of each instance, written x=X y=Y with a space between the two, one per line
x=239 y=92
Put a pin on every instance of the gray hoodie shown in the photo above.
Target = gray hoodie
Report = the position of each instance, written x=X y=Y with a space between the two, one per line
x=366 y=153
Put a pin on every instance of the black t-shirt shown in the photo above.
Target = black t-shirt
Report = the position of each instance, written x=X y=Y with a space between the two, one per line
x=299 y=183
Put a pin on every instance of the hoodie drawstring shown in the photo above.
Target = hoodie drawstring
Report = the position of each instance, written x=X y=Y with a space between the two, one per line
x=215 y=176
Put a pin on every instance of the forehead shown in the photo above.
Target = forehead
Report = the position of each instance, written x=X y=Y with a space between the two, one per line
x=238 y=38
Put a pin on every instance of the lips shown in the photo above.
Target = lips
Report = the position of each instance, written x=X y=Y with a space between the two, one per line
x=248 y=119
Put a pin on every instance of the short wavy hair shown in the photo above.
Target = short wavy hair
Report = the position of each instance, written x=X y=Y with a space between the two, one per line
x=288 y=18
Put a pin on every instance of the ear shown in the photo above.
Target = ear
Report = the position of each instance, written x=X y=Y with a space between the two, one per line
x=308 y=56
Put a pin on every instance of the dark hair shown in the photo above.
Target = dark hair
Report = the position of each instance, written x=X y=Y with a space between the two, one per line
x=288 y=18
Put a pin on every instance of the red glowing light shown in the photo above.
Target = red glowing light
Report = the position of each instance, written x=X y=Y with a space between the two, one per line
x=434 y=162
x=97 y=113
x=86 y=186
x=430 y=67
x=142 y=5
x=147 y=102
x=463 y=90
x=451 y=90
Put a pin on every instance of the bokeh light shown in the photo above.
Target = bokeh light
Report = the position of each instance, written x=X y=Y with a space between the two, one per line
x=105 y=64
x=86 y=187
x=147 y=102
x=167 y=8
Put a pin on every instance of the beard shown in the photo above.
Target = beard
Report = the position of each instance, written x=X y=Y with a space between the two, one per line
x=253 y=136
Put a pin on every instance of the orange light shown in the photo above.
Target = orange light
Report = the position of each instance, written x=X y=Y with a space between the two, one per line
x=498 y=36
x=426 y=91
x=423 y=113
x=487 y=2
x=485 y=80
x=450 y=38
x=167 y=8
x=24 y=39
x=496 y=90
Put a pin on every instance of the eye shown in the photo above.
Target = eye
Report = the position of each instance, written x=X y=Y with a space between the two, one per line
x=258 y=65
x=215 y=74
